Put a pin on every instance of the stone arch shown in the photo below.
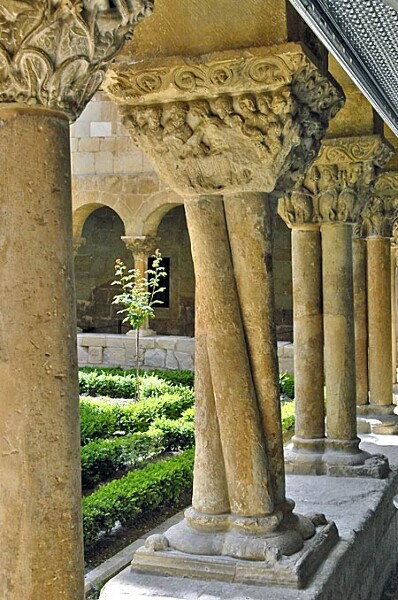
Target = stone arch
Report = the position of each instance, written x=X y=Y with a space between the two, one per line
x=152 y=211
x=81 y=214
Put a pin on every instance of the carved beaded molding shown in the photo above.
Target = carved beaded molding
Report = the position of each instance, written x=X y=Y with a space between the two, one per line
x=234 y=121
x=379 y=216
x=54 y=53
x=339 y=182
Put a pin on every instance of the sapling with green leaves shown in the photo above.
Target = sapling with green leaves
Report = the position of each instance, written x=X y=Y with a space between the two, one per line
x=139 y=296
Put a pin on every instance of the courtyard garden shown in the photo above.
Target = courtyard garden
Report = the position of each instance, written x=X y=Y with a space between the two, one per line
x=137 y=454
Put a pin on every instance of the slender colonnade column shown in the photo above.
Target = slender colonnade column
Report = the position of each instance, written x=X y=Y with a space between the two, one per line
x=306 y=450
x=360 y=318
x=377 y=220
x=141 y=247
x=53 y=66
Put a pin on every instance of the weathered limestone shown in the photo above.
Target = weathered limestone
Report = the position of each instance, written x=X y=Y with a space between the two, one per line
x=330 y=197
x=308 y=442
x=78 y=242
x=376 y=224
x=234 y=124
x=141 y=247
x=53 y=56
x=360 y=318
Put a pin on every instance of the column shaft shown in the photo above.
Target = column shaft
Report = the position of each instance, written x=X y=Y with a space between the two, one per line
x=379 y=320
x=308 y=335
x=250 y=229
x=210 y=491
x=40 y=520
x=338 y=308
x=394 y=312
x=361 y=320
x=242 y=441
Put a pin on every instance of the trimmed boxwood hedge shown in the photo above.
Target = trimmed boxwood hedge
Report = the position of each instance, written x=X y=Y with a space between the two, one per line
x=117 y=383
x=102 y=458
x=101 y=418
x=141 y=491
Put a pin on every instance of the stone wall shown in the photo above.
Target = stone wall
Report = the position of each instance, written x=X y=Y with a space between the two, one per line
x=156 y=352
x=94 y=272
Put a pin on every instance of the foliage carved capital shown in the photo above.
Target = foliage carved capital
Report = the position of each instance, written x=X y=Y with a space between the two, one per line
x=234 y=121
x=144 y=245
x=53 y=53
x=338 y=184
x=379 y=216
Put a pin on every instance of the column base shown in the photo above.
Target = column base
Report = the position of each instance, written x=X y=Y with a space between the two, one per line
x=304 y=456
x=339 y=459
x=344 y=459
x=241 y=550
x=378 y=418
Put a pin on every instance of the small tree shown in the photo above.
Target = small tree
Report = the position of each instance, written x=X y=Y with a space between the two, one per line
x=138 y=297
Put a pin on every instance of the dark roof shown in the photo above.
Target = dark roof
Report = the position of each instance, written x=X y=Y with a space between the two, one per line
x=363 y=37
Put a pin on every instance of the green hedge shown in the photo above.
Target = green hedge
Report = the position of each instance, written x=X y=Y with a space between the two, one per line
x=286 y=383
x=102 y=458
x=141 y=491
x=102 y=418
x=117 y=383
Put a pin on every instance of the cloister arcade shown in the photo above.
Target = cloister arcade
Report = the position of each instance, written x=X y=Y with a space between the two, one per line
x=231 y=113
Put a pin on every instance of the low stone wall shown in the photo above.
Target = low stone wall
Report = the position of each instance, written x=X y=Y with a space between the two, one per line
x=156 y=352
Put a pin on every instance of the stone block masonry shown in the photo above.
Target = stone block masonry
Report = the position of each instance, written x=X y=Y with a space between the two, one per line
x=157 y=352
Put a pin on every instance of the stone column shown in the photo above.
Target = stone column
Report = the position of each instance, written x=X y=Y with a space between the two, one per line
x=394 y=310
x=46 y=51
x=141 y=247
x=222 y=150
x=305 y=453
x=360 y=319
x=329 y=197
x=377 y=220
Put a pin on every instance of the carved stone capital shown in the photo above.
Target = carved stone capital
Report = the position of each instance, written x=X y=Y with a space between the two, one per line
x=141 y=245
x=379 y=216
x=233 y=121
x=54 y=53
x=338 y=184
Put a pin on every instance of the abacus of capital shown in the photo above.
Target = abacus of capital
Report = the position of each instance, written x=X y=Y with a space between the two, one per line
x=141 y=248
x=376 y=223
x=321 y=211
x=52 y=59
x=226 y=131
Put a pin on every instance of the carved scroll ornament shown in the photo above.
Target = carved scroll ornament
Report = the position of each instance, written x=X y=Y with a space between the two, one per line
x=54 y=53
x=339 y=183
x=228 y=125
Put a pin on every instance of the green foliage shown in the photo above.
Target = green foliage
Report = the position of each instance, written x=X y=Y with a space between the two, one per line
x=103 y=417
x=288 y=417
x=138 y=296
x=286 y=383
x=102 y=458
x=116 y=383
x=141 y=491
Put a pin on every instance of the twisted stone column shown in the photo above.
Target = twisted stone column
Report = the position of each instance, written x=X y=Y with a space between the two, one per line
x=53 y=58
x=141 y=247
x=219 y=152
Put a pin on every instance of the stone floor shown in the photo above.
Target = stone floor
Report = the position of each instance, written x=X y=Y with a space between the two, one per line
x=357 y=568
